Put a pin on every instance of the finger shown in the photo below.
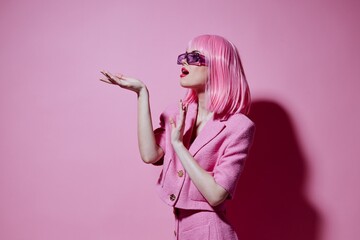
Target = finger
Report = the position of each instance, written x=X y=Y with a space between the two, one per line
x=119 y=75
x=109 y=76
x=181 y=107
x=119 y=80
x=185 y=110
x=182 y=114
x=104 y=73
x=105 y=80
x=172 y=123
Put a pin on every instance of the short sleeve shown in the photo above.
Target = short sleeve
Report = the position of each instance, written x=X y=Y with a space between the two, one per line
x=231 y=164
x=160 y=136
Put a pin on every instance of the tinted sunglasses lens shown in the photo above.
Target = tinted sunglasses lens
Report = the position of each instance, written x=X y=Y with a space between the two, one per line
x=181 y=58
x=192 y=58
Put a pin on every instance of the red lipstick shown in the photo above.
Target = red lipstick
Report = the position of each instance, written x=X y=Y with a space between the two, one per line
x=184 y=72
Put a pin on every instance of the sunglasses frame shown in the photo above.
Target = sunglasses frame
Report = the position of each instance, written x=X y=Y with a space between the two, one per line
x=196 y=59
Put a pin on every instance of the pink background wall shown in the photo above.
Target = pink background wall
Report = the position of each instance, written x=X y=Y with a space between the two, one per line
x=69 y=166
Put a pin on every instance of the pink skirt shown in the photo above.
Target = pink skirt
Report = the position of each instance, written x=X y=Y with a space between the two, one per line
x=202 y=225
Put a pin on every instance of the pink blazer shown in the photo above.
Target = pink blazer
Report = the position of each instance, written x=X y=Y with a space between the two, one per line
x=220 y=148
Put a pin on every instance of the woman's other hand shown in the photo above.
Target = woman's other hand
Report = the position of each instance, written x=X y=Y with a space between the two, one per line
x=177 y=128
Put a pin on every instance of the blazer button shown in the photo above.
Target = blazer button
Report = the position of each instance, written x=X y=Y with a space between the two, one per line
x=180 y=173
x=172 y=197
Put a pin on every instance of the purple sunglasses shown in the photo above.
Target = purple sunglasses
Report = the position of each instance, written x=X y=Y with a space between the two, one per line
x=192 y=58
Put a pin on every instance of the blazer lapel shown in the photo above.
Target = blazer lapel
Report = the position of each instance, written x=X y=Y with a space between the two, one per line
x=211 y=129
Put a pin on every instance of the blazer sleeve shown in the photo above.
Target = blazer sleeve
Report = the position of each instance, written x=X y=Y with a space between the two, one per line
x=231 y=164
x=160 y=136
x=160 y=132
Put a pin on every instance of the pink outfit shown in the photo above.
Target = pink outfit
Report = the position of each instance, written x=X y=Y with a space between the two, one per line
x=220 y=148
x=202 y=225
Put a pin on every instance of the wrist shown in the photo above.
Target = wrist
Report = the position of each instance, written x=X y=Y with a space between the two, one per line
x=143 y=92
x=177 y=145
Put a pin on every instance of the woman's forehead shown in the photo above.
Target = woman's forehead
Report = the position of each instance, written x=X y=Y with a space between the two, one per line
x=192 y=50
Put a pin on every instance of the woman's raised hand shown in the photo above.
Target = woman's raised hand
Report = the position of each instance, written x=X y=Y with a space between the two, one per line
x=177 y=128
x=129 y=83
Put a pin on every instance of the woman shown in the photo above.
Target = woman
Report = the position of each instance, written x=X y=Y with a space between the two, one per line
x=203 y=142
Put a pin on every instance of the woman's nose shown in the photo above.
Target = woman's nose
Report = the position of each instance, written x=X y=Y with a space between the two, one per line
x=184 y=62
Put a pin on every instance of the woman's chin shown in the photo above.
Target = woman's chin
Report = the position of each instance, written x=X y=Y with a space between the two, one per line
x=184 y=84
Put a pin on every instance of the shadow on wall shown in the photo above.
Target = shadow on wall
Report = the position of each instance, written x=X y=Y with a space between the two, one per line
x=269 y=203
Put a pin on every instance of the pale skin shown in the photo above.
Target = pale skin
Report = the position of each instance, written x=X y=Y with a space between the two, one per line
x=151 y=152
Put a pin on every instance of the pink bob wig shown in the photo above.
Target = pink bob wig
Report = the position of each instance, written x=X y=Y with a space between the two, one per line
x=227 y=91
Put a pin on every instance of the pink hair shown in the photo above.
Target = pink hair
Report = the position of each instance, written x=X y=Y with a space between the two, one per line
x=227 y=91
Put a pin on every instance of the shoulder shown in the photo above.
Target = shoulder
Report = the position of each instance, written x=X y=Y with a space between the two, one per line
x=169 y=110
x=240 y=131
x=239 y=126
x=239 y=121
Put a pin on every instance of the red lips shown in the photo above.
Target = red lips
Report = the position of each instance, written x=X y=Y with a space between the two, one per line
x=184 y=72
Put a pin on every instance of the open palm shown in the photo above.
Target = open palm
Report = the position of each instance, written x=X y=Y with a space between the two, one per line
x=129 y=83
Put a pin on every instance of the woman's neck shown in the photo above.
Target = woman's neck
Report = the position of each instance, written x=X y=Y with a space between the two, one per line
x=203 y=114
